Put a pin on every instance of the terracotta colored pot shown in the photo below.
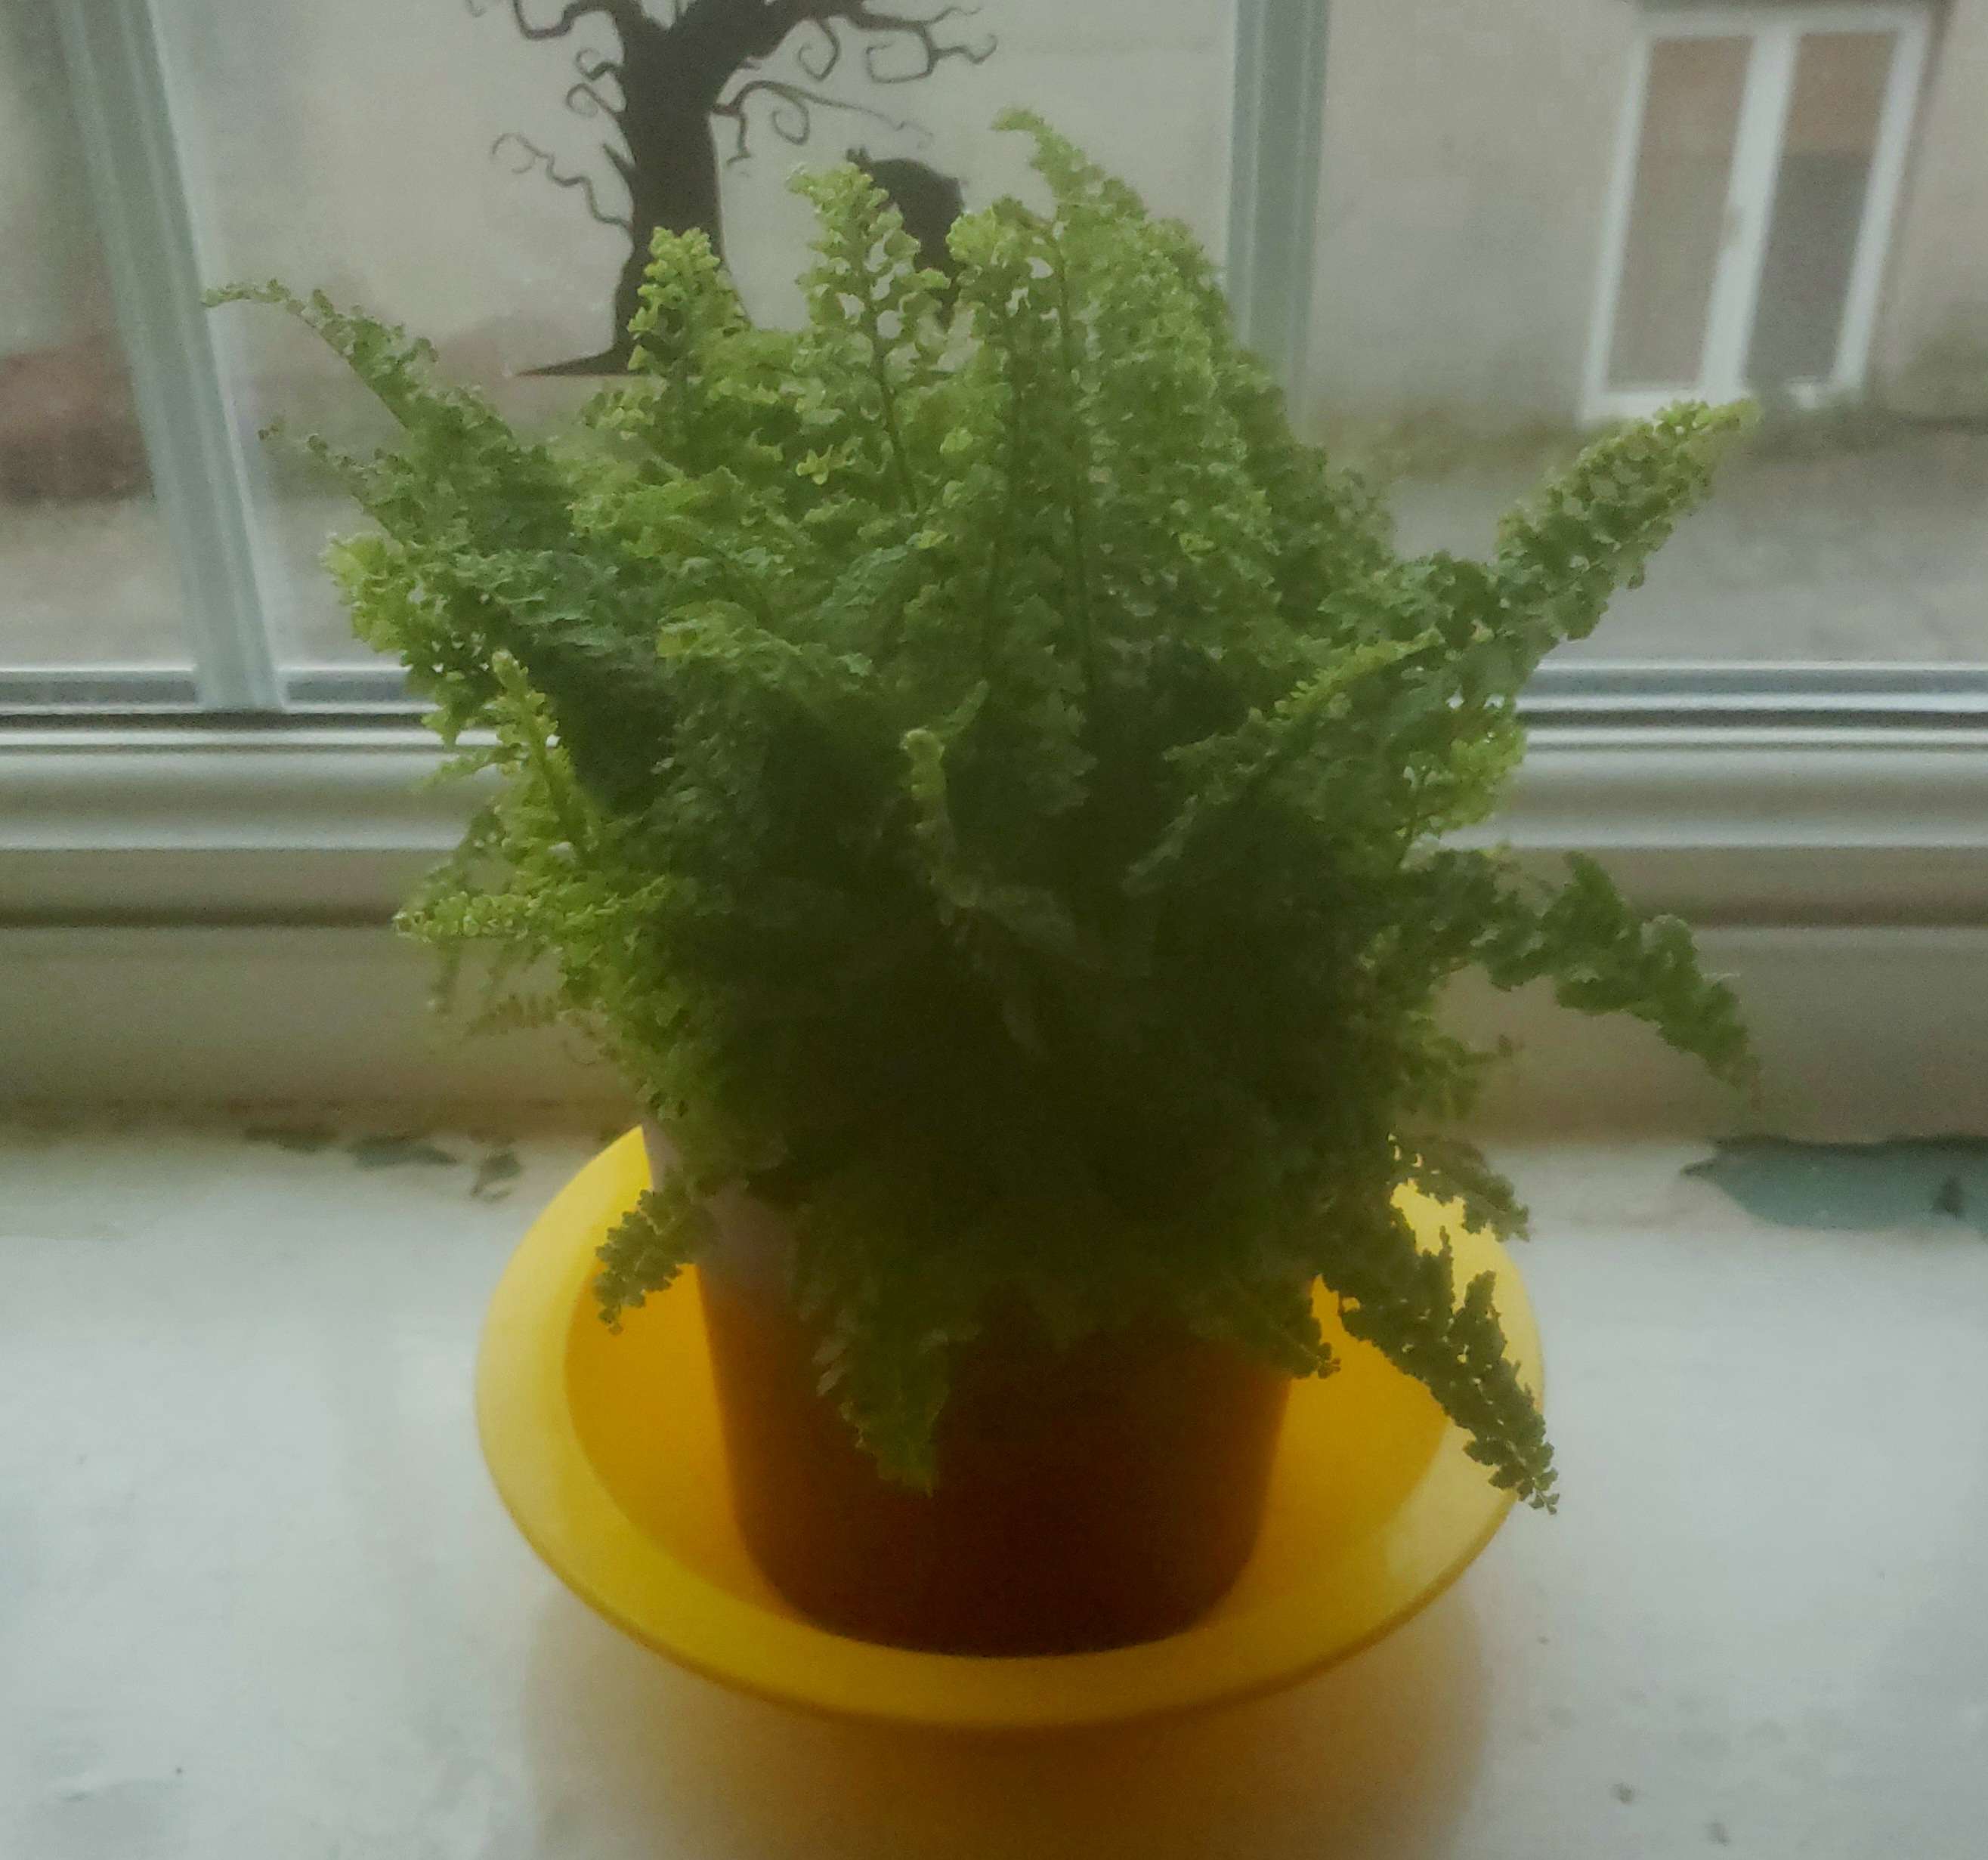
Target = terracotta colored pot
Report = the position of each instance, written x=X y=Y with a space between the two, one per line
x=1088 y=1498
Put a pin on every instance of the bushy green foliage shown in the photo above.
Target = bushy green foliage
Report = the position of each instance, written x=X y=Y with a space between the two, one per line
x=986 y=782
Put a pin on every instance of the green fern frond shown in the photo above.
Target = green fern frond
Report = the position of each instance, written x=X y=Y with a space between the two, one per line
x=641 y=1257
x=979 y=772
x=1403 y=1300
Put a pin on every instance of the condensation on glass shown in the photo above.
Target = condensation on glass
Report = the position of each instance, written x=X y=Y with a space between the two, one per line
x=482 y=173
x=87 y=575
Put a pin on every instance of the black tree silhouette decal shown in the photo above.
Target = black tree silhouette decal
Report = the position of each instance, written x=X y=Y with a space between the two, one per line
x=677 y=82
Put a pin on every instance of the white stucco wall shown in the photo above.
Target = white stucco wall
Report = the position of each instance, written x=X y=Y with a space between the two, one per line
x=1931 y=350
x=1466 y=168
x=1468 y=153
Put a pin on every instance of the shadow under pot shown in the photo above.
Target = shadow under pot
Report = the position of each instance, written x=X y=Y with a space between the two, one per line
x=1085 y=1498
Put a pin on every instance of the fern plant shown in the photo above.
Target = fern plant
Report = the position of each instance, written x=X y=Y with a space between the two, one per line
x=986 y=783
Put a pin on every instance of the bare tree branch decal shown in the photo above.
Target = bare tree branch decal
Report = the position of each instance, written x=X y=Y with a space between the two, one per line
x=674 y=77
x=543 y=160
x=828 y=48
x=792 y=117
x=569 y=17
x=584 y=100
x=923 y=34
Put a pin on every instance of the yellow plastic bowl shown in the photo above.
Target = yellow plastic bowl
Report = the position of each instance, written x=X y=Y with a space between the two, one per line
x=606 y=1450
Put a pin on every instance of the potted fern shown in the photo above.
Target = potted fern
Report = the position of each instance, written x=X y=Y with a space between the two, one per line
x=986 y=784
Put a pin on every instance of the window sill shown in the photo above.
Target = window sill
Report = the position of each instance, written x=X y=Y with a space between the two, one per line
x=241 y=1379
x=329 y=823
x=198 y=915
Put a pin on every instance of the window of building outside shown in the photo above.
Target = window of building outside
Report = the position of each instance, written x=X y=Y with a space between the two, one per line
x=1531 y=217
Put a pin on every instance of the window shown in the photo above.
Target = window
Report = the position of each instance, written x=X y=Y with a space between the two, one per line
x=488 y=172
x=1754 y=203
x=1468 y=236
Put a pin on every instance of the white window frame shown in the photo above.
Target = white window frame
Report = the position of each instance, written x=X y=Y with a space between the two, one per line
x=1775 y=34
x=137 y=192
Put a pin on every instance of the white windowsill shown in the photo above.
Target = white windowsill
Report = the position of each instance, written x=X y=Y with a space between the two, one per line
x=193 y=915
x=269 y=1589
x=304 y=824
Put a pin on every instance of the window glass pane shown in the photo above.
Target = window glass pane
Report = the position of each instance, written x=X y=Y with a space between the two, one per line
x=483 y=172
x=1821 y=194
x=1538 y=217
x=1677 y=222
x=86 y=570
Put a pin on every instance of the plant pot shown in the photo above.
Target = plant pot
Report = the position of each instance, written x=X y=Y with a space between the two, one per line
x=608 y=1452
x=1085 y=1498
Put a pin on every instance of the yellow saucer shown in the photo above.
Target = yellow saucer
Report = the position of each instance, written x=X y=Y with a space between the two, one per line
x=606 y=1450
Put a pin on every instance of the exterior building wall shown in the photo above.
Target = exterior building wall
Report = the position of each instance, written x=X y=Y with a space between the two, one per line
x=1468 y=149
x=1931 y=354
